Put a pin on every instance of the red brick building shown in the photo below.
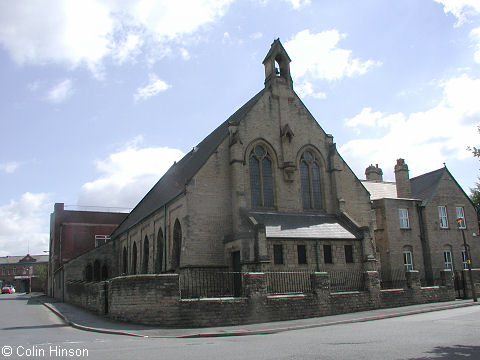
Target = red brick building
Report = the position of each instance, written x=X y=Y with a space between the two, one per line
x=25 y=273
x=72 y=233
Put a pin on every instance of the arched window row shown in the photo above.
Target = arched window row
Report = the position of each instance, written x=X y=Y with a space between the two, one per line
x=96 y=272
x=260 y=165
x=140 y=261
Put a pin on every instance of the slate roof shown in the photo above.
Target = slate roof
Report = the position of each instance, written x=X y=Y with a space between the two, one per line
x=4 y=260
x=380 y=189
x=424 y=186
x=173 y=182
x=304 y=226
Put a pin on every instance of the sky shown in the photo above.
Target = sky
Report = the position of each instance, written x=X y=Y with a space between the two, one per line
x=98 y=98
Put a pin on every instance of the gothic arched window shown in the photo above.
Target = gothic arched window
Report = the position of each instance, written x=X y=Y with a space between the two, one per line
x=124 y=258
x=177 y=244
x=146 y=255
x=134 y=258
x=159 y=263
x=261 y=177
x=310 y=180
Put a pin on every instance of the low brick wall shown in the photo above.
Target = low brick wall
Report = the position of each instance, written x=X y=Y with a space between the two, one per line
x=155 y=300
x=88 y=295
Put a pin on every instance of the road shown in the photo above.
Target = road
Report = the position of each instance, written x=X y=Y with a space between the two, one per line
x=30 y=331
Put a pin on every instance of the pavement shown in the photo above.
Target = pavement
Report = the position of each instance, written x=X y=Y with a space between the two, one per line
x=84 y=320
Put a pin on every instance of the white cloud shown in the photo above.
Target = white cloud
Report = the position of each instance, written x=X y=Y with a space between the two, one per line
x=461 y=9
x=9 y=167
x=154 y=86
x=318 y=57
x=475 y=35
x=128 y=48
x=60 y=92
x=425 y=139
x=127 y=175
x=185 y=54
x=85 y=32
x=305 y=89
x=297 y=4
x=24 y=223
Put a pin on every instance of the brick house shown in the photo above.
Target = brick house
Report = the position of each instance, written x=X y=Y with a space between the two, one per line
x=72 y=233
x=266 y=190
x=416 y=222
x=24 y=272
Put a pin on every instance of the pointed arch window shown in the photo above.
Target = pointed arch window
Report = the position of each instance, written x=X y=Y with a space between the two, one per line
x=261 y=177
x=146 y=255
x=159 y=263
x=124 y=260
x=177 y=244
x=310 y=181
x=134 y=258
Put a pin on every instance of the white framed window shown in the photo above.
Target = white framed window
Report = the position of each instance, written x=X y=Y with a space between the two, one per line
x=461 y=215
x=447 y=257
x=101 y=239
x=464 y=259
x=407 y=260
x=442 y=217
x=403 y=217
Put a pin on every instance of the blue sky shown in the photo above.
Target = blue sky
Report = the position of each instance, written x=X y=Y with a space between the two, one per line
x=98 y=98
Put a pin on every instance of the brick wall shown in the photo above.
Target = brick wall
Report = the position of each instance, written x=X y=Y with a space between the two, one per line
x=88 y=295
x=155 y=300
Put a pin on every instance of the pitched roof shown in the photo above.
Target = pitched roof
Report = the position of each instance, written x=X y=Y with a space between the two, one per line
x=305 y=226
x=380 y=189
x=424 y=186
x=16 y=259
x=173 y=182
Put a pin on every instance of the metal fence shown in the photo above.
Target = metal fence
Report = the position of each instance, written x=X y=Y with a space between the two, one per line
x=288 y=282
x=200 y=283
x=394 y=279
x=195 y=283
x=343 y=281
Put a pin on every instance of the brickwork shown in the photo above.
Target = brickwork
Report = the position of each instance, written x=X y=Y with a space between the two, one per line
x=392 y=240
x=155 y=300
x=439 y=239
x=314 y=251
x=88 y=295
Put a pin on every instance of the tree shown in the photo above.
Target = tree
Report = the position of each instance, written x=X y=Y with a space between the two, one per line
x=475 y=192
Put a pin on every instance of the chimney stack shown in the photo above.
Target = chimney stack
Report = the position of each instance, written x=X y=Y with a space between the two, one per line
x=374 y=173
x=402 y=179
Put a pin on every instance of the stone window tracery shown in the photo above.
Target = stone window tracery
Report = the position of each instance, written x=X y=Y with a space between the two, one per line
x=261 y=177
x=310 y=181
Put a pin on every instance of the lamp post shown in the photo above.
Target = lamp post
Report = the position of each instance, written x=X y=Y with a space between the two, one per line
x=467 y=259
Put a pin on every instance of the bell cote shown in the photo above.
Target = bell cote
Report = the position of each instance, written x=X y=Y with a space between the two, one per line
x=277 y=66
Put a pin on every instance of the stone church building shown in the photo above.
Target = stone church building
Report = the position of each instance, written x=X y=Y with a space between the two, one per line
x=266 y=190
x=264 y=221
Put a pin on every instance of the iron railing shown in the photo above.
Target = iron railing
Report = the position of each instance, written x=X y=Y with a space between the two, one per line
x=200 y=283
x=196 y=283
x=393 y=279
x=344 y=281
x=288 y=282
